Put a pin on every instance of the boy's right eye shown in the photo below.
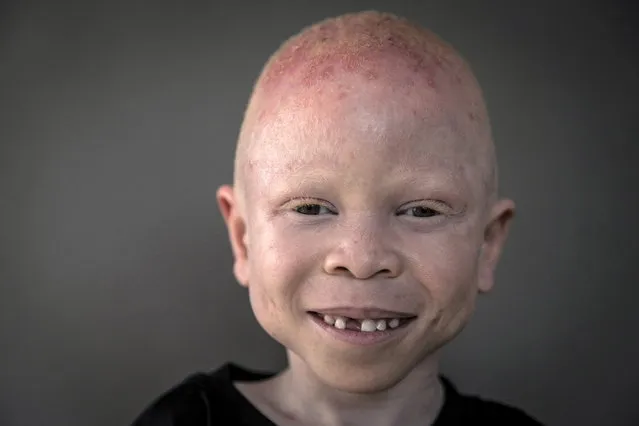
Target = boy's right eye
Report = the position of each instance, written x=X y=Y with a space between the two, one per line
x=312 y=209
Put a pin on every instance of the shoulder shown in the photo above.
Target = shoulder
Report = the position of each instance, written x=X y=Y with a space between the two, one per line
x=470 y=409
x=492 y=411
x=186 y=404
x=201 y=399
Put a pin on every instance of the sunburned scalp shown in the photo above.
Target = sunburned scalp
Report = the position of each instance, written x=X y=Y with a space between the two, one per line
x=356 y=43
x=381 y=50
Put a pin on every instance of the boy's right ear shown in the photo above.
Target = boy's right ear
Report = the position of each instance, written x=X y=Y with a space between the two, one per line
x=228 y=203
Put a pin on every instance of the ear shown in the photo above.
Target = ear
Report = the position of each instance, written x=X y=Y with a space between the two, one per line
x=495 y=234
x=227 y=200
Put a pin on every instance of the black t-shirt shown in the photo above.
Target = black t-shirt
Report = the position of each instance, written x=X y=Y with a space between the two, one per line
x=212 y=399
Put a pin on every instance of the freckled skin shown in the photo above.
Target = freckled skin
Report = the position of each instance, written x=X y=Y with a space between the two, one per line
x=363 y=115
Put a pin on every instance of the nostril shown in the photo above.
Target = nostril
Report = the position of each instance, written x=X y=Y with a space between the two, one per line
x=340 y=270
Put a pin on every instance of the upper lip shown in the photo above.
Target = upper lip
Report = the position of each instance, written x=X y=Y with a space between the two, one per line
x=363 y=313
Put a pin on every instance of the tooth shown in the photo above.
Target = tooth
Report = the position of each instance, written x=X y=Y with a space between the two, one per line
x=329 y=319
x=381 y=325
x=394 y=323
x=368 y=325
x=340 y=323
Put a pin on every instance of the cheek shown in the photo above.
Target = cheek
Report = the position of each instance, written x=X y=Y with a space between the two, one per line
x=448 y=269
x=279 y=263
x=448 y=272
x=268 y=296
x=280 y=255
x=281 y=260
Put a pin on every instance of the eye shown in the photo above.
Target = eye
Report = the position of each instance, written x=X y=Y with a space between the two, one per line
x=420 y=211
x=312 y=209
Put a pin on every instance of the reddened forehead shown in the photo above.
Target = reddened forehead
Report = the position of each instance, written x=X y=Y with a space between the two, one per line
x=375 y=59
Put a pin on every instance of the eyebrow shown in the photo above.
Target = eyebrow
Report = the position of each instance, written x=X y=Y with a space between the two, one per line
x=324 y=180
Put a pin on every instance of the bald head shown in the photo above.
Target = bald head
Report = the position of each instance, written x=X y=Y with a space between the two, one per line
x=359 y=43
x=376 y=61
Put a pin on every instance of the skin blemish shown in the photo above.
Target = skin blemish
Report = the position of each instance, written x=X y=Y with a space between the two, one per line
x=350 y=63
x=408 y=82
x=372 y=75
x=328 y=72
x=417 y=61
x=261 y=116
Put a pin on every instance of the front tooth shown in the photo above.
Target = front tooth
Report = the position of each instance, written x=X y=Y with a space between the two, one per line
x=340 y=323
x=329 y=319
x=368 y=325
x=381 y=325
x=394 y=323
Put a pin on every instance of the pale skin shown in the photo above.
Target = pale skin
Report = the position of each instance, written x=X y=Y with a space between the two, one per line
x=368 y=194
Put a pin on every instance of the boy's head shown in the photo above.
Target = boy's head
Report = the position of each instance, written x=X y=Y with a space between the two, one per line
x=365 y=178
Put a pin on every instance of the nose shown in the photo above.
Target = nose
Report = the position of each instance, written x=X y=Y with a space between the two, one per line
x=363 y=251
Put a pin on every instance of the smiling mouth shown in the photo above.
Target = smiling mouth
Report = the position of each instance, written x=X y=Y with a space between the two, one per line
x=366 y=325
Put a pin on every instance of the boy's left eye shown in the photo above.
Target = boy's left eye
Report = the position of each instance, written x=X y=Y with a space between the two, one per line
x=420 y=211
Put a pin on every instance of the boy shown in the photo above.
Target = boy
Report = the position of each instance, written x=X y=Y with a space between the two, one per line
x=363 y=220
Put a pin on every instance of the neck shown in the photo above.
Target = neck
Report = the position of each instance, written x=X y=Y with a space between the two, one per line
x=416 y=399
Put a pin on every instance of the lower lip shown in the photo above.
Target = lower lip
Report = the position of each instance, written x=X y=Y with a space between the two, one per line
x=360 y=338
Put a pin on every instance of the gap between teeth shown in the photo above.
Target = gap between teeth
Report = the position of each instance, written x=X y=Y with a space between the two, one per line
x=366 y=325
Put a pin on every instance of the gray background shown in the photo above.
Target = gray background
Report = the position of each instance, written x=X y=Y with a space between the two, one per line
x=118 y=122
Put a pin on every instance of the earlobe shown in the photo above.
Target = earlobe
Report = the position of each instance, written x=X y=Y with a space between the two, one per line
x=495 y=235
x=236 y=226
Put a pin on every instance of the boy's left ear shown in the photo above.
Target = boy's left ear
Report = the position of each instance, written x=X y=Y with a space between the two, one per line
x=495 y=235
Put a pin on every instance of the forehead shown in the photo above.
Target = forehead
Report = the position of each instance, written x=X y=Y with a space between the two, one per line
x=371 y=136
